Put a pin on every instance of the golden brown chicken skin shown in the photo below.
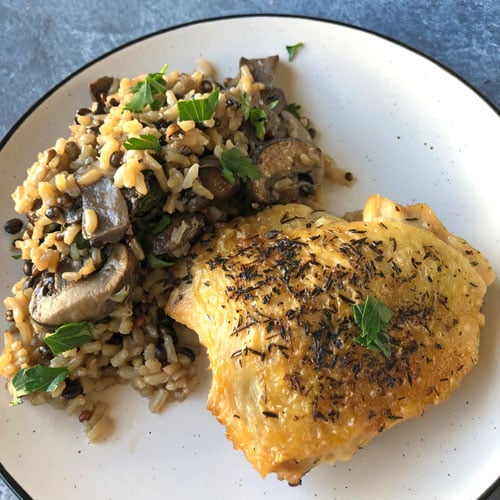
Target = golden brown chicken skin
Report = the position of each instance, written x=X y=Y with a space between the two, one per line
x=271 y=298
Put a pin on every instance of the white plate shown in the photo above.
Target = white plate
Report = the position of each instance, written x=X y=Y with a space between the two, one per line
x=407 y=129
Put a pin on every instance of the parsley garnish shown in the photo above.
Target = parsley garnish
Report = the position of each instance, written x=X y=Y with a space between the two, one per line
x=146 y=90
x=372 y=318
x=156 y=263
x=235 y=163
x=154 y=198
x=147 y=141
x=162 y=224
x=80 y=242
x=256 y=116
x=198 y=110
x=69 y=336
x=36 y=378
x=293 y=49
x=294 y=109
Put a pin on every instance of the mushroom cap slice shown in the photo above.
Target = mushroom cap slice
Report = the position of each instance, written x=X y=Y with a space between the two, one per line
x=91 y=298
x=111 y=209
x=263 y=69
x=291 y=169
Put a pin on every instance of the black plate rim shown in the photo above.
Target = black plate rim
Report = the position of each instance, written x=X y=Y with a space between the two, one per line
x=16 y=488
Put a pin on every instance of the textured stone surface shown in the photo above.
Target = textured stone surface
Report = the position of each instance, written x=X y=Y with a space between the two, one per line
x=43 y=42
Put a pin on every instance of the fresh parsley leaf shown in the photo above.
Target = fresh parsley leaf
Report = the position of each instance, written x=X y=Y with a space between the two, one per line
x=256 y=116
x=235 y=163
x=154 y=198
x=80 y=242
x=198 y=110
x=293 y=49
x=146 y=141
x=258 y=119
x=273 y=104
x=245 y=106
x=36 y=378
x=156 y=263
x=162 y=224
x=69 y=336
x=372 y=318
x=294 y=109
x=146 y=90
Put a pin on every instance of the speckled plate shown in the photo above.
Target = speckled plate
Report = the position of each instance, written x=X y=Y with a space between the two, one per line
x=409 y=130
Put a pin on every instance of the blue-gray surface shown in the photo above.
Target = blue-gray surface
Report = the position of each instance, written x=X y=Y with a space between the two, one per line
x=43 y=42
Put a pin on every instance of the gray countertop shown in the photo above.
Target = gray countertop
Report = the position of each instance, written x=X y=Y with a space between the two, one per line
x=41 y=43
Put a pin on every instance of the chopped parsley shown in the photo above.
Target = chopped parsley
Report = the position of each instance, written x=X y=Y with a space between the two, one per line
x=145 y=92
x=157 y=263
x=235 y=163
x=80 y=242
x=69 y=336
x=146 y=141
x=372 y=318
x=294 y=109
x=273 y=104
x=163 y=223
x=198 y=110
x=256 y=116
x=37 y=378
x=293 y=49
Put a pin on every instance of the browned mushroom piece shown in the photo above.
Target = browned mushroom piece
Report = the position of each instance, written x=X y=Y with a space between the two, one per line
x=295 y=128
x=58 y=302
x=263 y=69
x=176 y=240
x=292 y=169
x=101 y=87
x=111 y=209
x=211 y=177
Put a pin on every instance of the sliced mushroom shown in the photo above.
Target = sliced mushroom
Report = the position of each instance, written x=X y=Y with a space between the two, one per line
x=211 y=177
x=101 y=87
x=89 y=299
x=274 y=97
x=176 y=240
x=111 y=209
x=263 y=69
x=295 y=128
x=291 y=168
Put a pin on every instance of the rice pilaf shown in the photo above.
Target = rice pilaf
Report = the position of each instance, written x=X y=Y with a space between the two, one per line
x=112 y=206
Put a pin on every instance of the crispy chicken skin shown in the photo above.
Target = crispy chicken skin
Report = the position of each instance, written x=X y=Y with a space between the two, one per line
x=271 y=296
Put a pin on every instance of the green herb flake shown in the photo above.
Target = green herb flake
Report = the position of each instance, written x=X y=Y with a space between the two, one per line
x=294 y=109
x=245 y=106
x=155 y=197
x=162 y=224
x=256 y=116
x=235 y=163
x=372 y=318
x=80 y=242
x=16 y=256
x=147 y=141
x=146 y=90
x=157 y=263
x=198 y=110
x=293 y=50
x=273 y=104
x=69 y=336
x=258 y=119
x=36 y=378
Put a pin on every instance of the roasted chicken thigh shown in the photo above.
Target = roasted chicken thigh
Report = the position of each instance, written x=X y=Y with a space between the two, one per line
x=271 y=297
